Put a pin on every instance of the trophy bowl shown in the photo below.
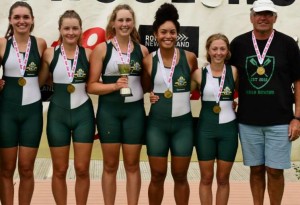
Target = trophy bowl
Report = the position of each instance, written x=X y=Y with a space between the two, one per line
x=124 y=70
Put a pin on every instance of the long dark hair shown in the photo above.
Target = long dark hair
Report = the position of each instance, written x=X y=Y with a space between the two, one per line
x=10 y=30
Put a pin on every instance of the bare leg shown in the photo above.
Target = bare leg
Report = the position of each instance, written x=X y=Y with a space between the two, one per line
x=131 y=155
x=26 y=161
x=223 y=175
x=111 y=153
x=275 y=185
x=205 y=188
x=179 y=169
x=258 y=183
x=8 y=158
x=60 y=161
x=158 y=167
x=82 y=156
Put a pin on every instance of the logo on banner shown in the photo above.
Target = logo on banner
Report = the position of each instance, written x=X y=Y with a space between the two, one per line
x=256 y=79
x=187 y=39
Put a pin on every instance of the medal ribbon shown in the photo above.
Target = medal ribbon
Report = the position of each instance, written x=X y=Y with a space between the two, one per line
x=120 y=52
x=217 y=91
x=70 y=71
x=162 y=67
x=22 y=63
x=262 y=57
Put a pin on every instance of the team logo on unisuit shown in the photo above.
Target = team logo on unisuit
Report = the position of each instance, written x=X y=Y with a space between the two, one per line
x=135 y=68
x=259 y=75
x=226 y=91
x=32 y=67
x=80 y=74
x=180 y=83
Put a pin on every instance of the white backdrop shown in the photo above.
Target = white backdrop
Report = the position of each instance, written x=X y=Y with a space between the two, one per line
x=230 y=19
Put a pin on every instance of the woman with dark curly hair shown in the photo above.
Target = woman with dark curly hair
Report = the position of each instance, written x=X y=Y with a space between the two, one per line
x=170 y=124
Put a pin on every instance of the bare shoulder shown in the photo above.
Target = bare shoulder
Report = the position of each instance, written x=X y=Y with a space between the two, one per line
x=42 y=45
x=40 y=40
x=234 y=72
x=88 y=52
x=190 y=55
x=148 y=58
x=192 y=60
x=48 y=54
x=144 y=50
x=100 y=49
x=3 y=42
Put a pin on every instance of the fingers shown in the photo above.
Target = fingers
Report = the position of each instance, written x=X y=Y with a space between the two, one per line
x=122 y=82
x=294 y=130
x=153 y=98
x=2 y=83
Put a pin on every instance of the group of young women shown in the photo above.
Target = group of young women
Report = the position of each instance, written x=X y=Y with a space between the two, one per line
x=168 y=74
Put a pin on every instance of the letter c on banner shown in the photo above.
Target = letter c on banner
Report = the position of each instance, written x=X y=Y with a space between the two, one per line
x=92 y=37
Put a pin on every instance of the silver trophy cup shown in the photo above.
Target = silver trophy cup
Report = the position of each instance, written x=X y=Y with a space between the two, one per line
x=124 y=70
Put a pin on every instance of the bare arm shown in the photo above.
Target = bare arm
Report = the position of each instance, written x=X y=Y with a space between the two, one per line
x=146 y=73
x=294 y=127
x=44 y=72
x=144 y=50
x=88 y=53
x=196 y=73
x=94 y=85
x=42 y=45
x=2 y=49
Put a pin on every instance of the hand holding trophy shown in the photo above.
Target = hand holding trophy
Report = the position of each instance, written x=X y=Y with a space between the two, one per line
x=124 y=70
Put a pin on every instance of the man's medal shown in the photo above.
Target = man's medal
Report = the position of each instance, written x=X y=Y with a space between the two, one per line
x=261 y=57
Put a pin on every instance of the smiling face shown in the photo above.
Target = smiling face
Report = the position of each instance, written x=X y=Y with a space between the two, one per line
x=166 y=35
x=218 y=51
x=263 y=22
x=70 y=30
x=124 y=23
x=21 y=20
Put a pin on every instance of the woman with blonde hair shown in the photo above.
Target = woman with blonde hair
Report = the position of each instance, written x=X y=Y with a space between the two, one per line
x=120 y=114
x=217 y=132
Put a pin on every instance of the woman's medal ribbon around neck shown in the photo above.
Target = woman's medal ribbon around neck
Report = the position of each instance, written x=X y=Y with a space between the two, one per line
x=168 y=93
x=70 y=87
x=22 y=63
x=217 y=90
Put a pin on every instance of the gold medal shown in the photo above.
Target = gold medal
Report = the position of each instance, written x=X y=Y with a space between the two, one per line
x=217 y=109
x=260 y=70
x=168 y=94
x=70 y=88
x=22 y=81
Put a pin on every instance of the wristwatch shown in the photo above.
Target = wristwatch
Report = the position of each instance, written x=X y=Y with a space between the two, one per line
x=297 y=118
